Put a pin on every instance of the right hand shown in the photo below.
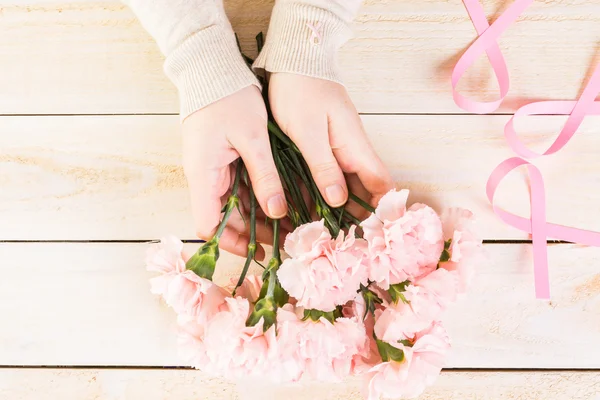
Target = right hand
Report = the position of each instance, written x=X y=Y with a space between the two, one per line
x=213 y=138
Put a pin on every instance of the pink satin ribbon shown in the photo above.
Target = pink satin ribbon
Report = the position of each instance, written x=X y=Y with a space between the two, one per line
x=536 y=225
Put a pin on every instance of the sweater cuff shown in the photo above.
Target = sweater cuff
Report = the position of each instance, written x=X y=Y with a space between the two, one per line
x=206 y=67
x=305 y=40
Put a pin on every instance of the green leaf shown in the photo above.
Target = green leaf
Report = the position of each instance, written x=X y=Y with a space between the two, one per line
x=280 y=296
x=203 y=263
x=371 y=300
x=446 y=253
x=389 y=352
x=397 y=291
x=264 y=308
x=315 y=315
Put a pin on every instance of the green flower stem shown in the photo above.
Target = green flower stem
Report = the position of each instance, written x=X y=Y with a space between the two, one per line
x=361 y=202
x=276 y=233
x=252 y=243
x=233 y=201
x=260 y=41
x=275 y=130
x=248 y=60
x=307 y=178
x=272 y=294
x=324 y=211
x=352 y=219
x=276 y=256
x=271 y=287
x=288 y=167
x=204 y=261
x=299 y=207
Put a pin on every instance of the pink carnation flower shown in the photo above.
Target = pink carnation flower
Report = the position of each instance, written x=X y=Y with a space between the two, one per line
x=429 y=296
x=182 y=289
x=191 y=347
x=369 y=356
x=323 y=272
x=236 y=350
x=466 y=249
x=224 y=346
x=306 y=242
x=398 y=322
x=421 y=366
x=403 y=244
x=322 y=350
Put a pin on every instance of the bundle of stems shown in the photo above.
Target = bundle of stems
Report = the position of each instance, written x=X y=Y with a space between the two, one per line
x=297 y=181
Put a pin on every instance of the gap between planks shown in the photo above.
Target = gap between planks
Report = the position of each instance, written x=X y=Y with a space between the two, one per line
x=184 y=368
x=199 y=241
x=405 y=114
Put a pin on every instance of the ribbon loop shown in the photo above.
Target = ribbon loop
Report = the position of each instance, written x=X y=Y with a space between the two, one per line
x=486 y=43
x=536 y=225
x=576 y=110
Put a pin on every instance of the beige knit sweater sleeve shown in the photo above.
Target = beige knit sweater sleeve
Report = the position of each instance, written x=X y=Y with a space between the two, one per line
x=202 y=58
x=305 y=35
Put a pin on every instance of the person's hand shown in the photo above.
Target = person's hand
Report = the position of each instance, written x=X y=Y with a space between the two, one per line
x=320 y=118
x=213 y=138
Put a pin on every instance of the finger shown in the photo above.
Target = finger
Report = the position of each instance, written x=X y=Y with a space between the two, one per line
x=255 y=150
x=355 y=153
x=286 y=225
x=264 y=232
x=236 y=243
x=357 y=188
x=312 y=138
x=206 y=190
x=260 y=253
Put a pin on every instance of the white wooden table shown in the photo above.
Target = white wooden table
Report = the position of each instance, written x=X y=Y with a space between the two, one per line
x=90 y=170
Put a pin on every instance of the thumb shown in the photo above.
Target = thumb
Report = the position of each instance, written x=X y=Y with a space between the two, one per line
x=254 y=148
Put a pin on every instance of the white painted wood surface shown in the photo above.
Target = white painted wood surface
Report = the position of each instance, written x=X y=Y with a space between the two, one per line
x=93 y=57
x=89 y=304
x=92 y=177
x=120 y=177
x=51 y=384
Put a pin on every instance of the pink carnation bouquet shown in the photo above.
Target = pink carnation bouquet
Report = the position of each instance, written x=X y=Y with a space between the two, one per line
x=347 y=297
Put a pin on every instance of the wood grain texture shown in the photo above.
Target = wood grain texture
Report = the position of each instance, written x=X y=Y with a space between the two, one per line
x=89 y=304
x=68 y=384
x=120 y=177
x=94 y=57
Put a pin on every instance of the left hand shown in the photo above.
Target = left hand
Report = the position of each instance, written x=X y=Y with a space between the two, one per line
x=320 y=118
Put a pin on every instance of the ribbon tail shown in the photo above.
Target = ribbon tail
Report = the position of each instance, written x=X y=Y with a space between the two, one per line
x=539 y=233
x=536 y=225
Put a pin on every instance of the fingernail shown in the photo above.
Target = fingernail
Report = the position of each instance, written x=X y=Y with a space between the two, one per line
x=276 y=206
x=336 y=196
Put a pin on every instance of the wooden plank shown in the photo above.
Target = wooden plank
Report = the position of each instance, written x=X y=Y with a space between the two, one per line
x=120 y=177
x=94 y=57
x=69 y=384
x=89 y=304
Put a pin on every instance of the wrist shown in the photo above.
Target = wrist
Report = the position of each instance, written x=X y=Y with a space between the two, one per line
x=207 y=67
x=305 y=40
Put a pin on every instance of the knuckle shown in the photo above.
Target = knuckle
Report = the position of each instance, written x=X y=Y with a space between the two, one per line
x=327 y=169
x=266 y=178
x=257 y=141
